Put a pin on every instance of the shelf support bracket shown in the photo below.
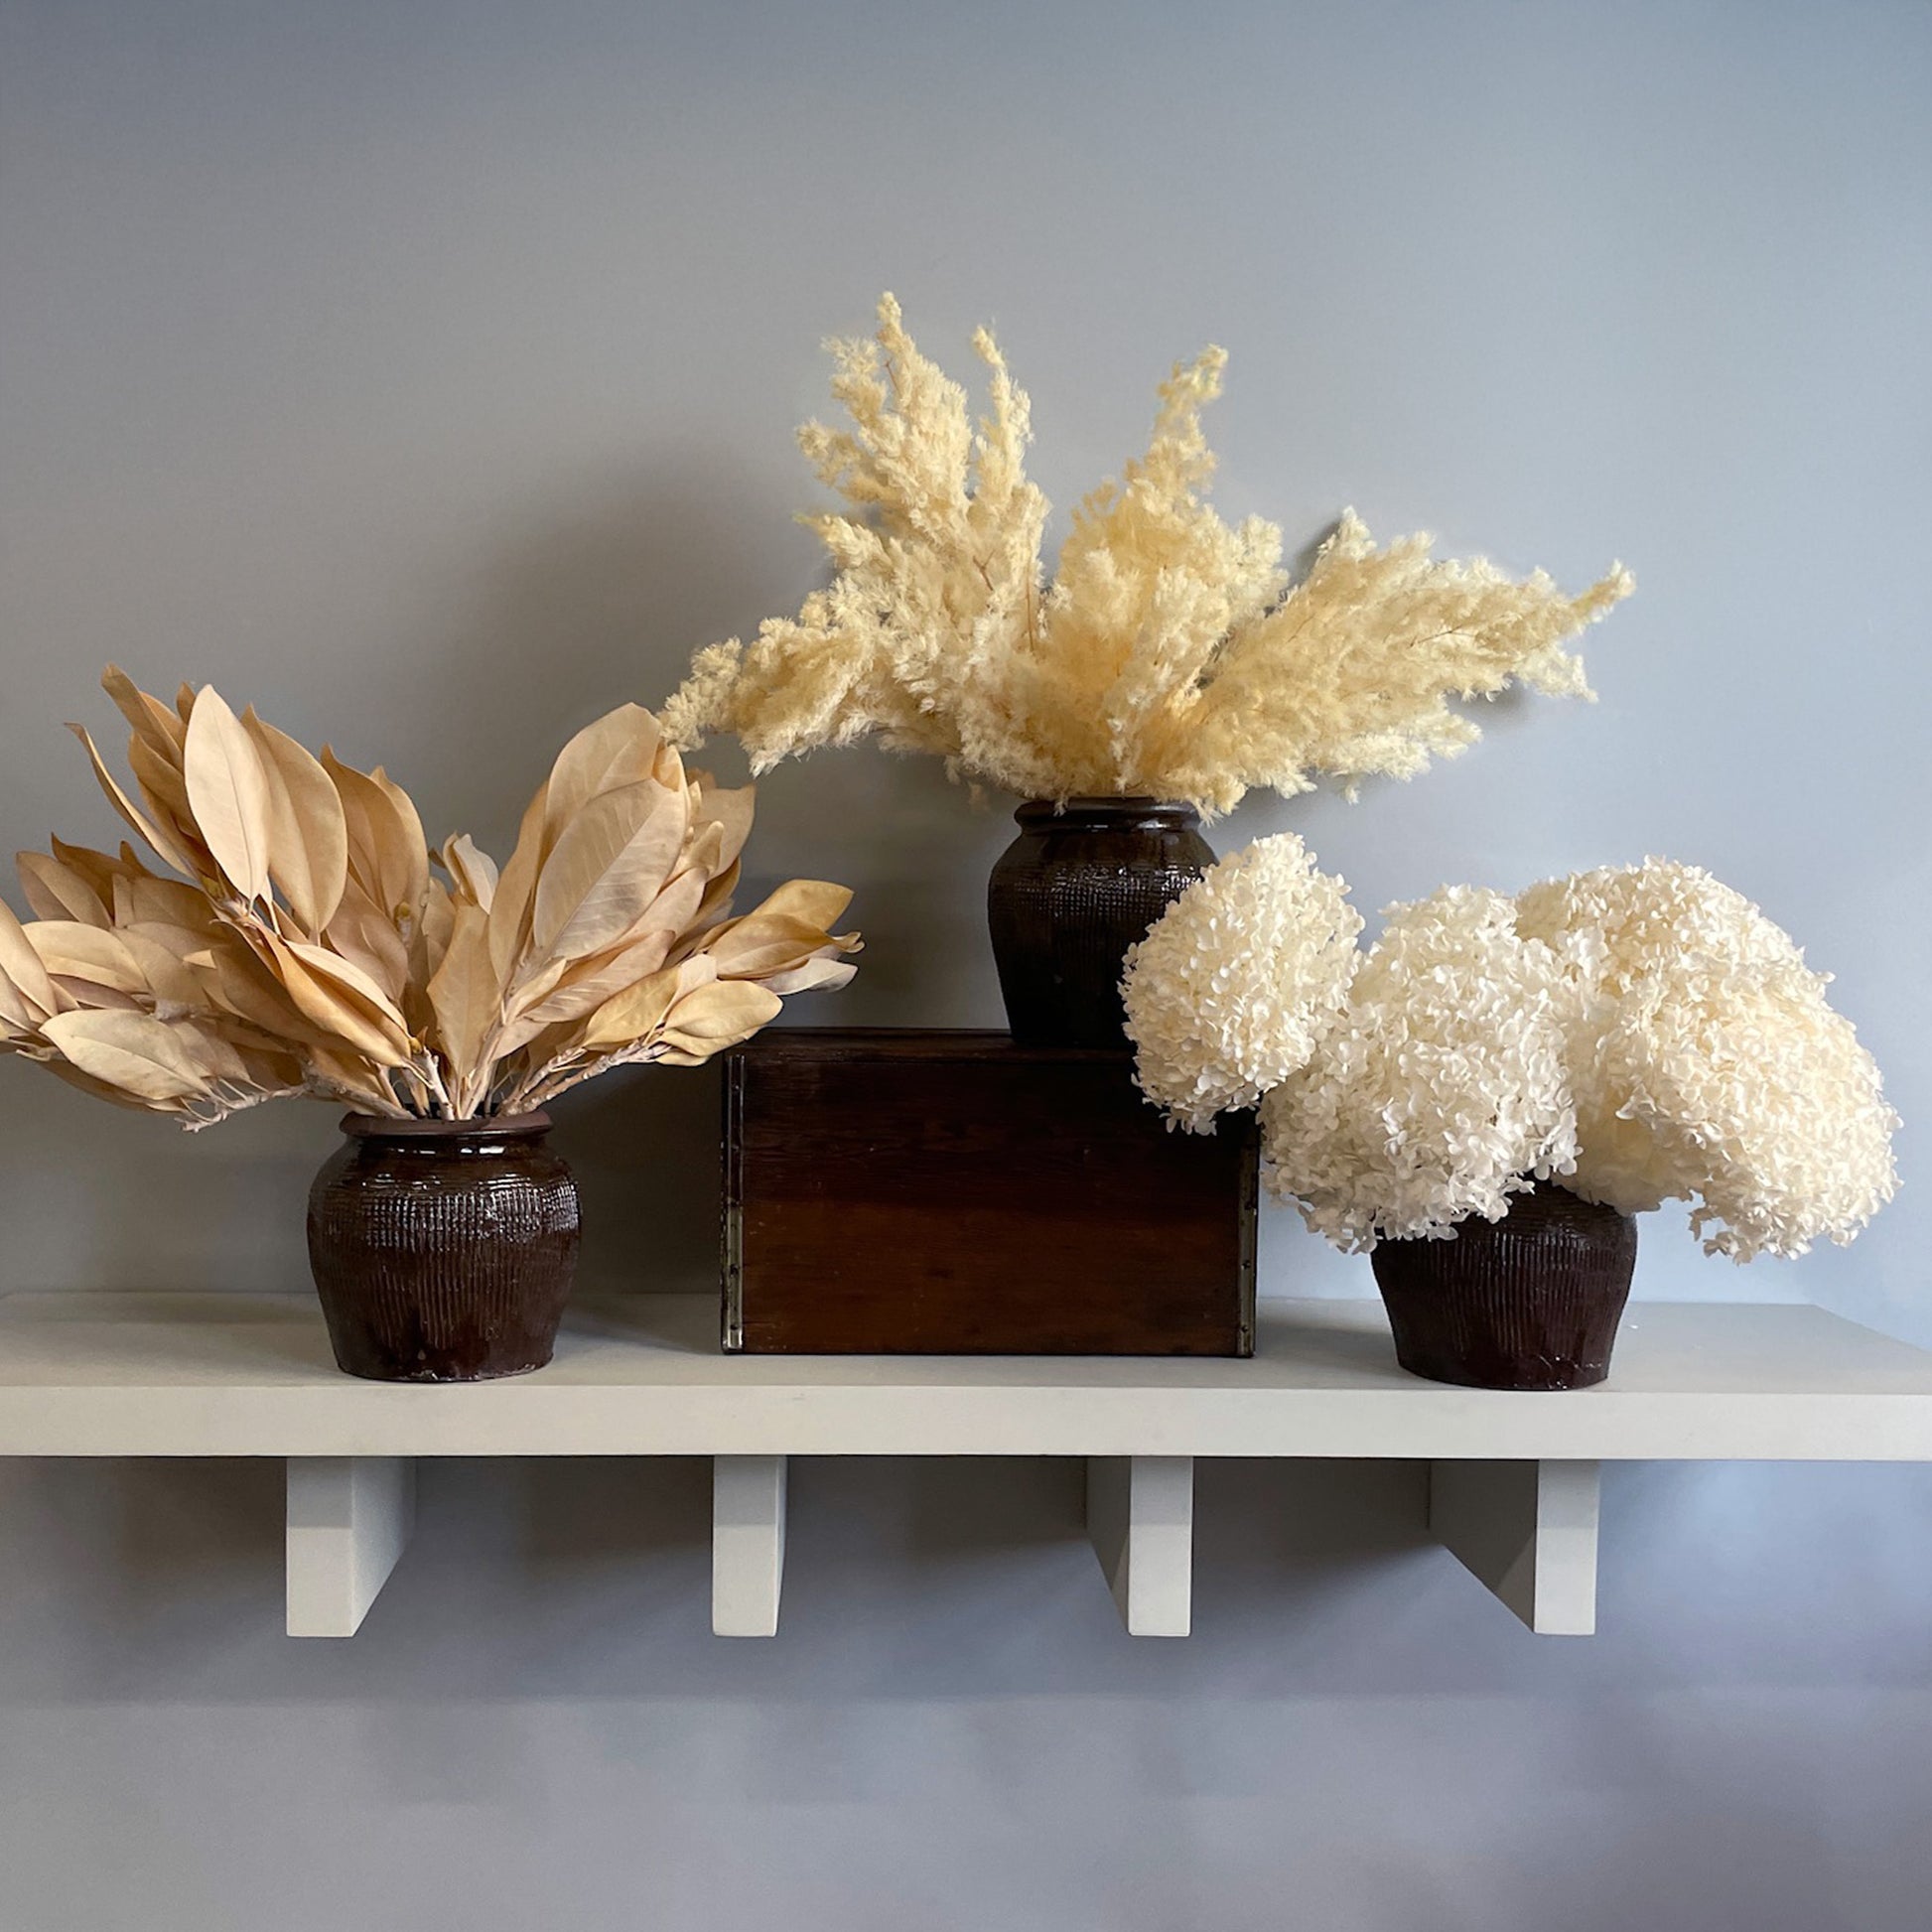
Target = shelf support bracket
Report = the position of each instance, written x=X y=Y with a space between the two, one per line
x=1527 y=1530
x=348 y=1520
x=1141 y=1518
x=747 y=1544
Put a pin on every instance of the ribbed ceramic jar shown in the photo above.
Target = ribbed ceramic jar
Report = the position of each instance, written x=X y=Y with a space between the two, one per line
x=1530 y=1301
x=443 y=1250
x=1081 y=884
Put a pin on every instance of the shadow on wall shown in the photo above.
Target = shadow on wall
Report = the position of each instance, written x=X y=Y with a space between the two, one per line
x=568 y=1578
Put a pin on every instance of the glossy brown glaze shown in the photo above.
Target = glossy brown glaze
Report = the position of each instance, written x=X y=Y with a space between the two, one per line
x=443 y=1250
x=954 y=1193
x=1068 y=897
x=1530 y=1301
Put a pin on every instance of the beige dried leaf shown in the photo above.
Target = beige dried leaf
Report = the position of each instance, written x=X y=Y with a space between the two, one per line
x=759 y=944
x=148 y=718
x=511 y=903
x=20 y=966
x=637 y=1012
x=228 y=794
x=307 y=845
x=472 y=869
x=466 y=996
x=731 y=810
x=57 y=891
x=619 y=750
x=132 y=1051
x=387 y=855
x=608 y=862
x=162 y=953
x=143 y=827
x=340 y=999
x=362 y=933
x=717 y=1015
x=94 y=955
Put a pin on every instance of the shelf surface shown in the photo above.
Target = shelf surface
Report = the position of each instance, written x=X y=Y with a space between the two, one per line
x=112 y=1374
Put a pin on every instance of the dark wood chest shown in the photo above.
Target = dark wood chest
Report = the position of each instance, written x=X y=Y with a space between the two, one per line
x=933 y=1193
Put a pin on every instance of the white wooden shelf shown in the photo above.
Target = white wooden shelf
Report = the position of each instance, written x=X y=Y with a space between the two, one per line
x=1513 y=1484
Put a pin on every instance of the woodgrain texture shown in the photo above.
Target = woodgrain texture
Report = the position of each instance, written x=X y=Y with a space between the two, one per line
x=953 y=1193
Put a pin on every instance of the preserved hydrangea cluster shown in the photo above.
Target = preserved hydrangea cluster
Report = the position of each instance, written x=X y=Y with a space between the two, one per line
x=1236 y=984
x=1708 y=1065
x=1441 y=1090
x=1642 y=1033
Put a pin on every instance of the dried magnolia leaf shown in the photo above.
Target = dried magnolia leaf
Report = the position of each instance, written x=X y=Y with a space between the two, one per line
x=510 y=907
x=57 y=891
x=472 y=870
x=341 y=999
x=90 y=953
x=169 y=901
x=619 y=750
x=22 y=966
x=465 y=995
x=715 y=1017
x=811 y=901
x=608 y=864
x=366 y=936
x=348 y=1076
x=162 y=955
x=817 y=975
x=96 y=868
x=729 y=810
x=640 y=1011
x=586 y=987
x=132 y=1051
x=387 y=856
x=164 y=788
x=228 y=791
x=439 y=924
x=148 y=718
x=307 y=833
x=142 y=826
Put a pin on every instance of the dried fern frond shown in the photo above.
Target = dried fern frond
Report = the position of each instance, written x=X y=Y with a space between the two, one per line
x=1170 y=657
x=312 y=944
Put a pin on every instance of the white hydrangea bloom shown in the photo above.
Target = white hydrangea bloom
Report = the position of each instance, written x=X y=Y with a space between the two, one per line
x=1444 y=1088
x=1236 y=983
x=1708 y=1065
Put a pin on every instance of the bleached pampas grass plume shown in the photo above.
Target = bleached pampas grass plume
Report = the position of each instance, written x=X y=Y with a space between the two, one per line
x=1237 y=982
x=1442 y=1091
x=310 y=942
x=1171 y=656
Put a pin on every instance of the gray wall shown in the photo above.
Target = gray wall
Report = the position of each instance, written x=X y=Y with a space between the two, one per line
x=426 y=373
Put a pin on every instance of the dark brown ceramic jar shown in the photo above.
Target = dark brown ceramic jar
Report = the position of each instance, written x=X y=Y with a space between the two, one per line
x=1081 y=884
x=1530 y=1301
x=443 y=1250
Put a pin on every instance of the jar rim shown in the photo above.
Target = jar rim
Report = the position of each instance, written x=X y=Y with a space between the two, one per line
x=1106 y=807
x=382 y=1127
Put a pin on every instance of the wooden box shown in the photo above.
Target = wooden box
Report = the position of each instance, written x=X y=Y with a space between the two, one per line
x=910 y=1191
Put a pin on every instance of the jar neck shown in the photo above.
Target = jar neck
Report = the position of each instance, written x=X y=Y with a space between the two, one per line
x=1091 y=813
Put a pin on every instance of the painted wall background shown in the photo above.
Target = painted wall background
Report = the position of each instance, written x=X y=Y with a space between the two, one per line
x=426 y=374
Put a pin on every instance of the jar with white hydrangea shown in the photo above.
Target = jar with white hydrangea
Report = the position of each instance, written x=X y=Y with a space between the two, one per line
x=1503 y=1084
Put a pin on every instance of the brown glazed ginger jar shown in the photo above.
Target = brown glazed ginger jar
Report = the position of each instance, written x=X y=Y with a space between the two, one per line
x=1530 y=1301
x=1081 y=884
x=443 y=1251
